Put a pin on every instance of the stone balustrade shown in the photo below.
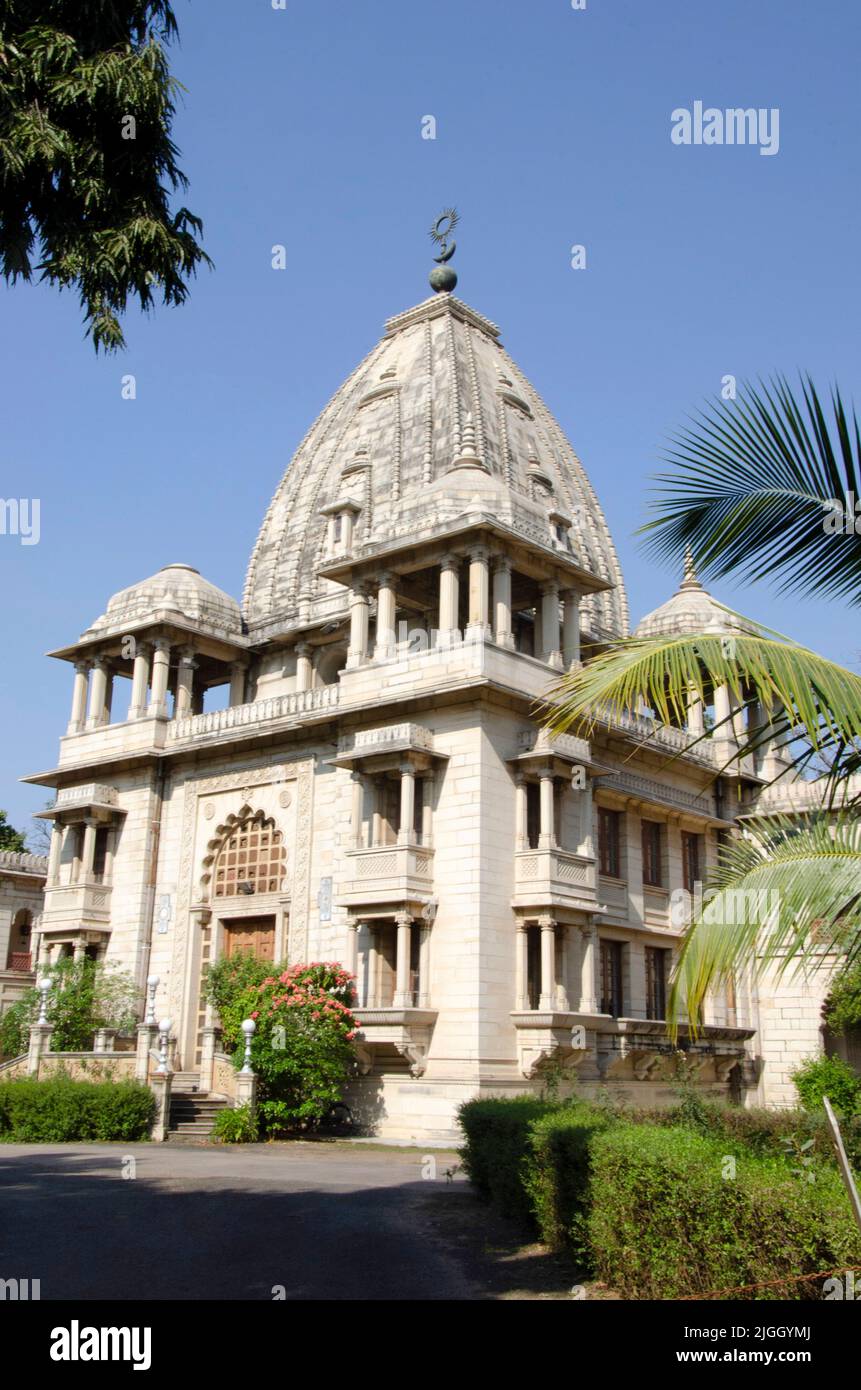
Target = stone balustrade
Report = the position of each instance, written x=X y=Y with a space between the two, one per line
x=236 y=717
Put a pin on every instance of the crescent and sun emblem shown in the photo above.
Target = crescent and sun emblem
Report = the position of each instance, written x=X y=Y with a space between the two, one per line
x=440 y=233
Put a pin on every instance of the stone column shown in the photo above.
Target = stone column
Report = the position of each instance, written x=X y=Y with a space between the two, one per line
x=54 y=856
x=479 y=591
x=304 y=669
x=377 y=821
x=386 y=612
x=373 y=968
x=449 y=588
x=140 y=681
x=588 y=970
x=185 y=683
x=570 y=628
x=520 y=822
x=108 y=871
x=424 y=965
x=160 y=673
x=547 y=1000
x=408 y=803
x=562 y=972
x=723 y=710
x=503 y=635
x=521 y=993
x=147 y=1036
x=352 y=959
x=402 y=998
x=550 y=644
x=358 y=650
x=547 y=838
x=574 y=967
x=238 y=671
x=89 y=851
x=80 y=686
x=357 y=807
x=40 y=1043
x=98 y=694
x=75 y=869
x=427 y=812
x=696 y=717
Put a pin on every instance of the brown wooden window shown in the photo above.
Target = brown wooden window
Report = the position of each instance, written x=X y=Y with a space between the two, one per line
x=251 y=860
x=690 y=861
x=652 y=865
x=533 y=814
x=657 y=963
x=611 y=978
x=609 y=857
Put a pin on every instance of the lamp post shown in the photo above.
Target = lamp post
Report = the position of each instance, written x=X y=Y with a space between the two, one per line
x=44 y=988
x=152 y=986
x=163 y=1038
x=249 y=1028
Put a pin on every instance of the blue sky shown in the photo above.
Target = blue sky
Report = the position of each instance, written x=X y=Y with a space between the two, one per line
x=303 y=127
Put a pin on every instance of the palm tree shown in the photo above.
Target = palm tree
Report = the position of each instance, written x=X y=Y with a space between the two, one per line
x=761 y=487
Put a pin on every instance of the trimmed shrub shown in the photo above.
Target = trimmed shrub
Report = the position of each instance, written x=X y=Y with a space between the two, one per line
x=62 y=1111
x=666 y=1222
x=237 y=1125
x=556 y=1173
x=831 y=1077
x=497 y=1143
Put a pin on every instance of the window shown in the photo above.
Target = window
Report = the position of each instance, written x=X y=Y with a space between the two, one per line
x=418 y=811
x=251 y=860
x=611 y=978
x=533 y=814
x=652 y=870
x=690 y=861
x=337 y=529
x=608 y=842
x=100 y=852
x=533 y=967
x=657 y=959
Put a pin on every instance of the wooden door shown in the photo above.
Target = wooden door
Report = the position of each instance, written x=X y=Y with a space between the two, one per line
x=250 y=936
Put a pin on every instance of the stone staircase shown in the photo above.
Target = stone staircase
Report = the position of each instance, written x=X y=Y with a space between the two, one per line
x=192 y=1113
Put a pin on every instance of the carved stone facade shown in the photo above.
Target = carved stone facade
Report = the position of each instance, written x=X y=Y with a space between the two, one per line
x=350 y=767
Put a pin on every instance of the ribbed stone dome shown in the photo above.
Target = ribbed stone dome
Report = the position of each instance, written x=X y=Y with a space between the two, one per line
x=690 y=610
x=177 y=590
x=438 y=386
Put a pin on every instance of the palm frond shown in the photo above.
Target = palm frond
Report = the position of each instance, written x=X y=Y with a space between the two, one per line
x=749 y=488
x=786 y=896
x=816 y=703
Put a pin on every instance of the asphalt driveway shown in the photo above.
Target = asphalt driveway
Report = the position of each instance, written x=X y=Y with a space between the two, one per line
x=299 y=1221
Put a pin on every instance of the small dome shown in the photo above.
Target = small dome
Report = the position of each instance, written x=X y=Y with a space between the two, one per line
x=177 y=591
x=691 y=609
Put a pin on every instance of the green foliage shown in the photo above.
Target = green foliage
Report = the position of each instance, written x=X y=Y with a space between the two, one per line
x=237 y=1125
x=302 y=1048
x=831 y=1077
x=497 y=1144
x=557 y=1170
x=749 y=484
x=843 y=1010
x=80 y=201
x=10 y=839
x=668 y=1218
x=61 y=1111
x=86 y=995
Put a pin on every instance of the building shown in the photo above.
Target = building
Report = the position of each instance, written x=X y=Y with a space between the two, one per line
x=349 y=765
x=22 y=883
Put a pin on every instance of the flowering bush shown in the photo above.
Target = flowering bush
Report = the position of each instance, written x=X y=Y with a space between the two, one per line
x=301 y=1050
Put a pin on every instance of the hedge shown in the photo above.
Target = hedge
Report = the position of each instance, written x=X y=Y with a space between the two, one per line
x=651 y=1205
x=556 y=1174
x=497 y=1140
x=62 y=1110
x=667 y=1219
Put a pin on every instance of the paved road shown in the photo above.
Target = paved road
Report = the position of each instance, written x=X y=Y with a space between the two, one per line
x=323 y=1220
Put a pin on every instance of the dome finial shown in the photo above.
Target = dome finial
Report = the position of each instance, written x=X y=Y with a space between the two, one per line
x=690 y=580
x=442 y=278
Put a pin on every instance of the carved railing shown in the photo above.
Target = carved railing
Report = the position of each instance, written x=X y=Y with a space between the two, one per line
x=222 y=721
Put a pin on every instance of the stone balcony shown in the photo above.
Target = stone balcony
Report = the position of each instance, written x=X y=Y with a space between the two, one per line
x=388 y=874
x=273 y=715
x=551 y=878
x=85 y=905
x=394 y=1031
x=606 y=1048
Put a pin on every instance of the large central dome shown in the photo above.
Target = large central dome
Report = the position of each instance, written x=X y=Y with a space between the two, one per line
x=438 y=385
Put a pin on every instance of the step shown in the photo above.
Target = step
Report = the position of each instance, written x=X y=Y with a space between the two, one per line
x=186 y=1082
